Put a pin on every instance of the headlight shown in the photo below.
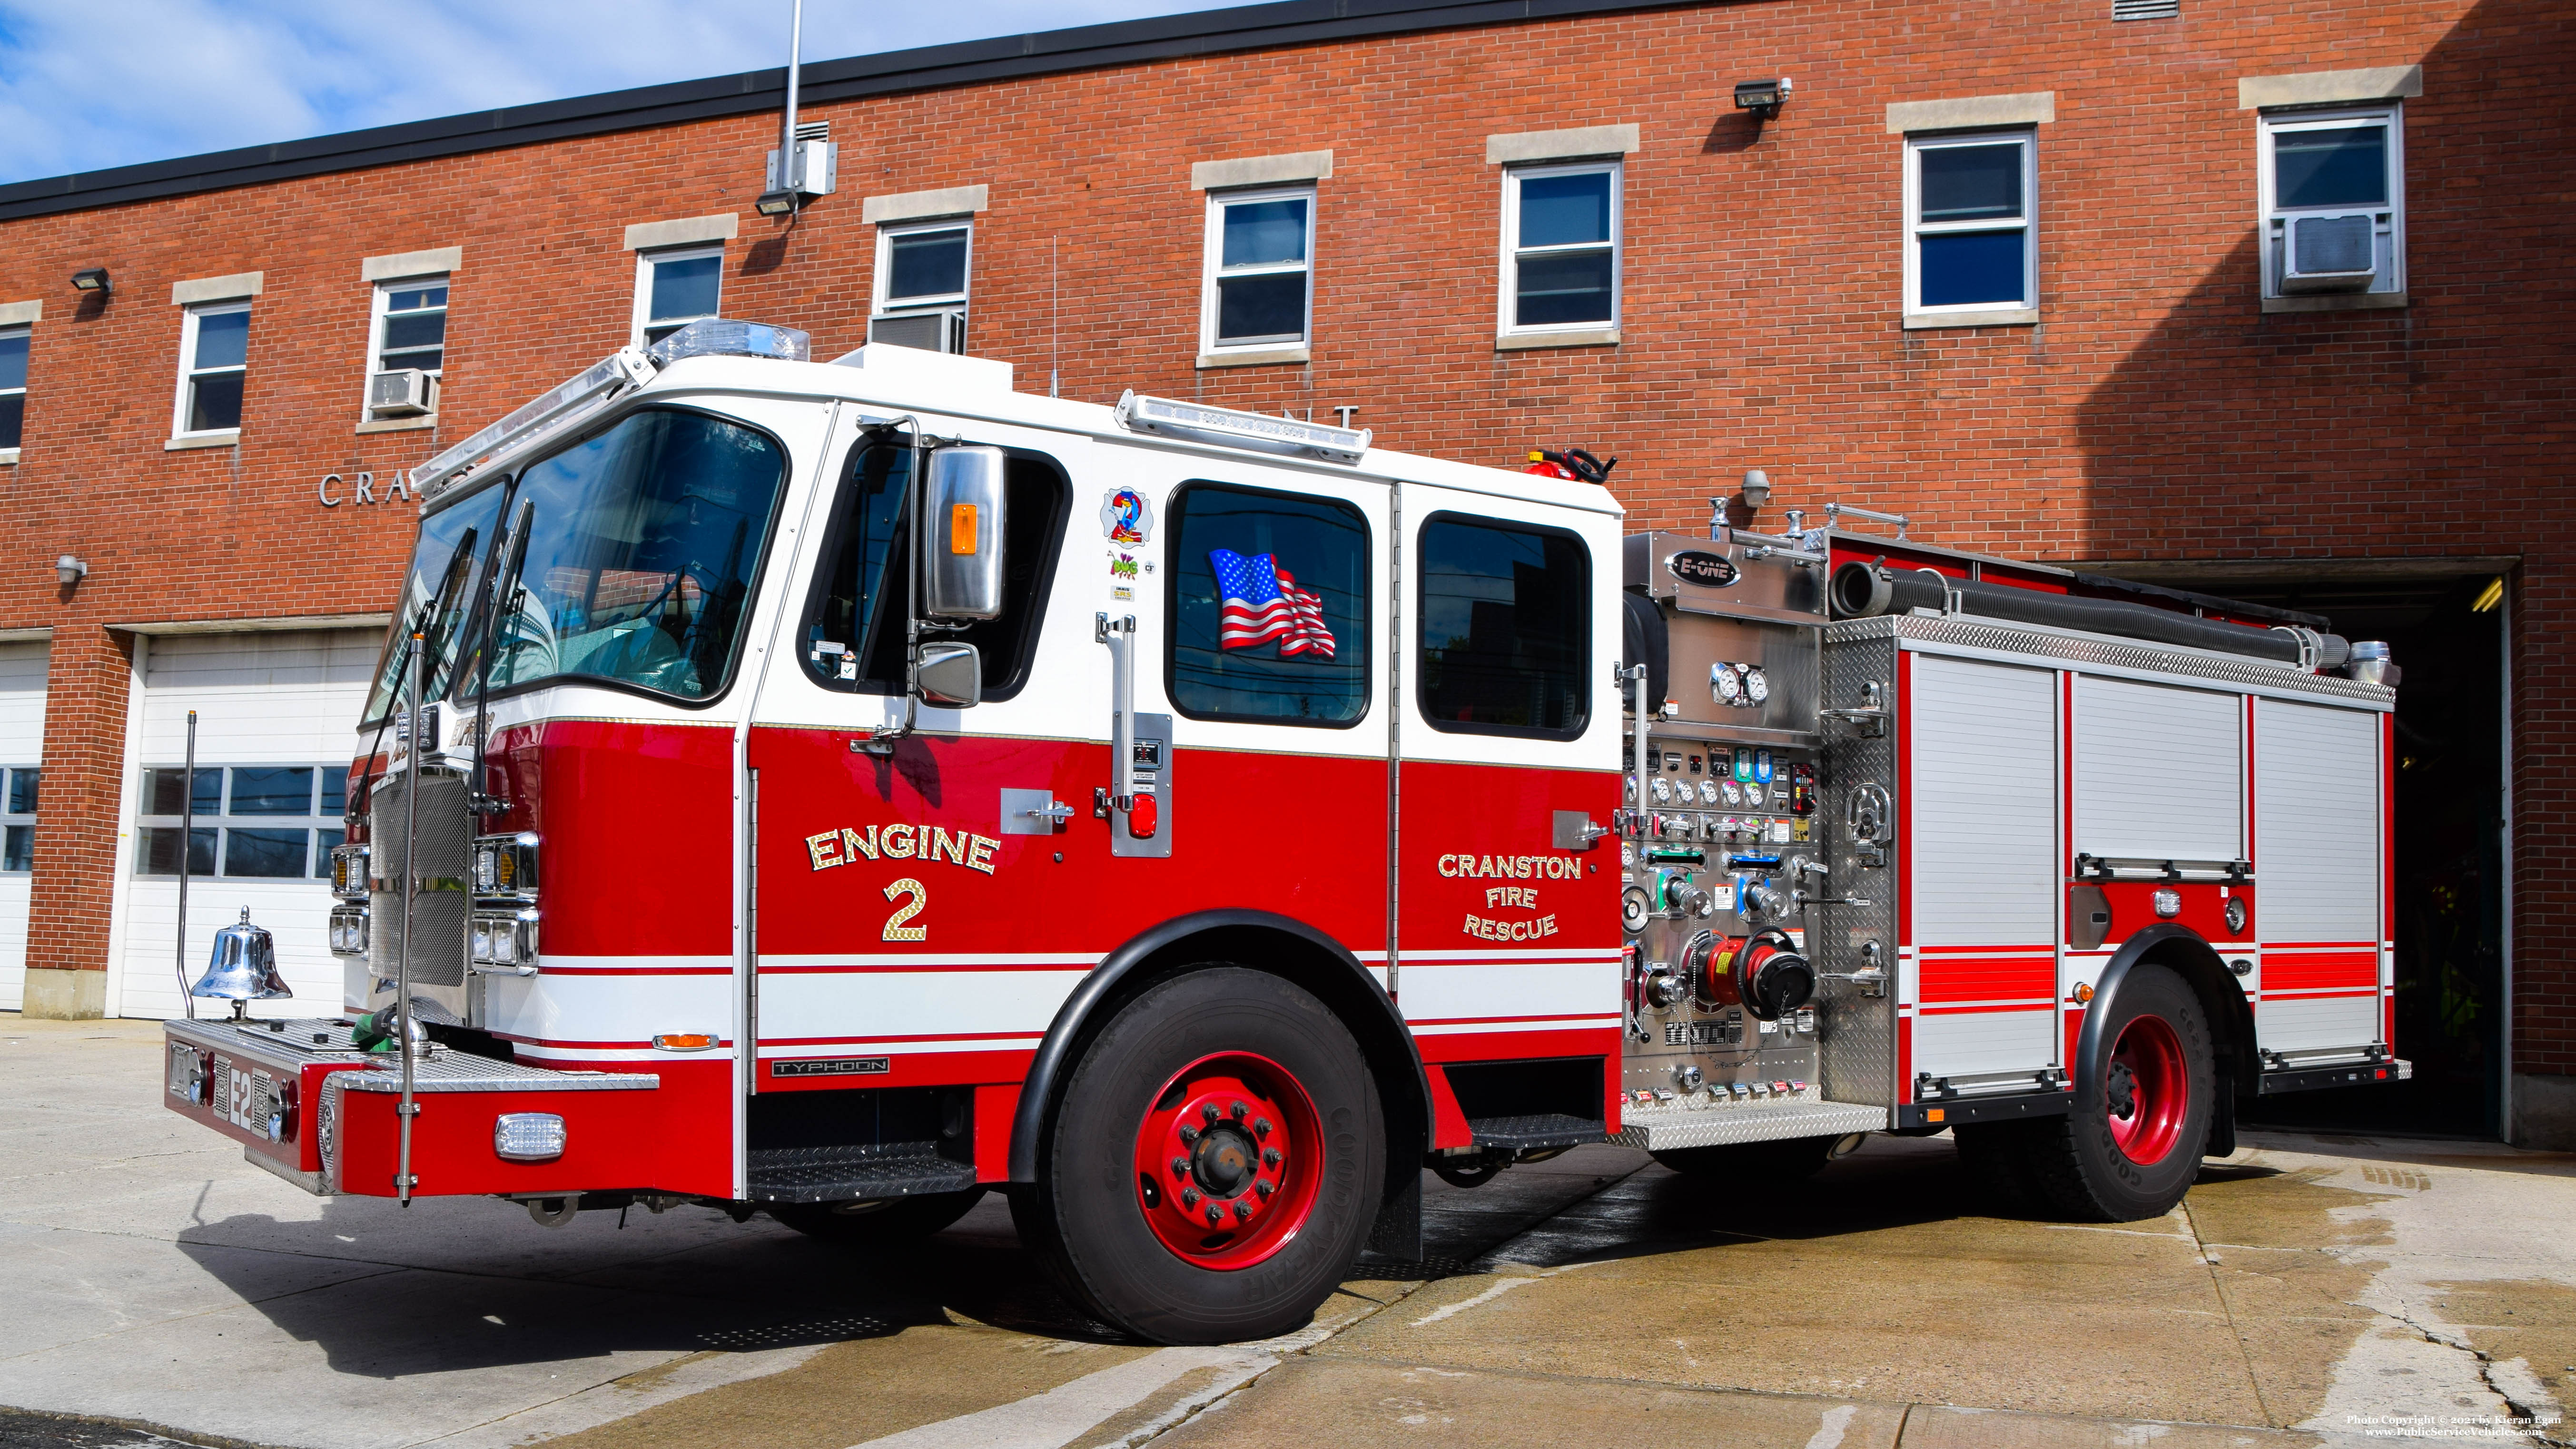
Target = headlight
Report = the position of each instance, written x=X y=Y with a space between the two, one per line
x=506 y=865
x=505 y=940
x=349 y=930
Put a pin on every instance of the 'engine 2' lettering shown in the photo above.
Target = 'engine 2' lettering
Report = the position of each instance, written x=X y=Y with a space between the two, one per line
x=1511 y=867
x=902 y=842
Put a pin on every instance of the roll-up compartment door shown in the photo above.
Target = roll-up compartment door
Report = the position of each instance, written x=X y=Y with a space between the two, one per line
x=2159 y=771
x=1982 y=867
x=2318 y=874
x=22 y=746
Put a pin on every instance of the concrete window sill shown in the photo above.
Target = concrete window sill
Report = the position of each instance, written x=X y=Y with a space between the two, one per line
x=1256 y=357
x=399 y=425
x=8 y=457
x=2336 y=302
x=1587 y=337
x=1992 y=317
x=228 y=439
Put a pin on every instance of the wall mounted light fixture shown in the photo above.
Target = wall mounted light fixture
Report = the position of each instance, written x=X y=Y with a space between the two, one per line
x=1762 y=97
x=93 y=279
x=69 y=571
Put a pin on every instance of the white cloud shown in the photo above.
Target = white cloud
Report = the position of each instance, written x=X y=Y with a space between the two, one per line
x=90 y=84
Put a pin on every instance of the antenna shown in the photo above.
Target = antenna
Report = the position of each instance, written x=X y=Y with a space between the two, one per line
x=799 y=170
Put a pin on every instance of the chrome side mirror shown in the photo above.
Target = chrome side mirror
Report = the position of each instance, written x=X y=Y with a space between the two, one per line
x=950 y=675
x=962 y=547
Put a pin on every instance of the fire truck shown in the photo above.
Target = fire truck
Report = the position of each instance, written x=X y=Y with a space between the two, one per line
x=837 y=790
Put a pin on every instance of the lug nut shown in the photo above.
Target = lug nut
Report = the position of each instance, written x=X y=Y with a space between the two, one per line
x=1238 y=1111
x=1260 y=1126
x=1189 y=1197
x=1270 y=1157
x=1189 y=1136
x=1264 y=1188
x=1180 y=1167
x=1215 y=1214
x=1242 y=1210
x=1207 y=1114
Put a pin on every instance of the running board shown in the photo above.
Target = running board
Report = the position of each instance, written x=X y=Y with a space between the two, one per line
x=1669 y=1125
x=854 y=1173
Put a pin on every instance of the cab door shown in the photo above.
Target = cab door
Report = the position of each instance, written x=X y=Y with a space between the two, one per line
x=1508 y=920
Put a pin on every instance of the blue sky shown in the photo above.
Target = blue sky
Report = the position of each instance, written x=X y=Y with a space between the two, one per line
x=88 y=84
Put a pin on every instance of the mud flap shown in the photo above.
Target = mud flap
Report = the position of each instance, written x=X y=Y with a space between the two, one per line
x=2222 y=1120
x=1397 y=1233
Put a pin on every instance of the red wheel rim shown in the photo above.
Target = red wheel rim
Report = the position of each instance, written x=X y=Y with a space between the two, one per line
x=2148 y=1091
x=1229 y=1157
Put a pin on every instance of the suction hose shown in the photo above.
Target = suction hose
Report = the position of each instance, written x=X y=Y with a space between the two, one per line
x=1862 y=591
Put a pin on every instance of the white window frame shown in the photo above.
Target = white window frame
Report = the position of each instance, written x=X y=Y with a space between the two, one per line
x=9 y=454
x=646 y=261
x=220 y=822
x=1212 y=253
x=1972 y=314
x=376 y=332
x=2272 y=228
x=189 y=372
x=16 y=819
x=884 y=305
x=1505 y=319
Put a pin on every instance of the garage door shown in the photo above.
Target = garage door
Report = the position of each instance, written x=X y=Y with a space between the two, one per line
x=22 y=743
x=276 y=716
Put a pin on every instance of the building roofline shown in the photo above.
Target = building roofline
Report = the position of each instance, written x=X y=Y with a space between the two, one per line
x=1050 y=52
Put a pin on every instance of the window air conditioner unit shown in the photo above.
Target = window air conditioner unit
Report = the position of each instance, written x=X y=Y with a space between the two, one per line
x=929 y=331
x=405 y=392
x=2330 y=253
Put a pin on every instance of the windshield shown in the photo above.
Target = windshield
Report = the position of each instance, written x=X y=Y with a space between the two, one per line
x=641 y=547
x=637 y=568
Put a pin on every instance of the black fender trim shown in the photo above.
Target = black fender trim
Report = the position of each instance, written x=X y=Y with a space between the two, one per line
x=1919 y=1117
x=2231 y=1023
x=1057 y=1052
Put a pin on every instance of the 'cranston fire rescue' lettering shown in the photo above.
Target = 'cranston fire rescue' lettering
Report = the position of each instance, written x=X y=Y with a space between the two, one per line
x=902 y=842
x=1511 y=867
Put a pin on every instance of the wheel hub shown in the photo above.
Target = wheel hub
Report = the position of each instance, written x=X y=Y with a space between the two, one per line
x=1223 y=1170
x=2147 y=1090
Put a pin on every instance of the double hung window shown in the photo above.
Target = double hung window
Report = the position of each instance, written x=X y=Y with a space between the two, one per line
x=214 y=357
x=18 y=820
x=1258 y=291
x=1561 y=248
x=252 y=822
x=1269 y=618
x=1505 y=623
x=411 y=325
x=922 y=276
x=2333 y=202
x=1972 y=226
x=14 y=344
x=675 y=288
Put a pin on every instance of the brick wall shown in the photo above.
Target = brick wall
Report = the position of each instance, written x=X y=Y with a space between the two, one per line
x=2155 y=413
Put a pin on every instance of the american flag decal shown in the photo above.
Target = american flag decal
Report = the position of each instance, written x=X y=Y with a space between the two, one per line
x=1262 y=603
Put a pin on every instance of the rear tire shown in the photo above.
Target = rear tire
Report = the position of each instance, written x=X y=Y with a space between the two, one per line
x=1147 y=1141
x=903 y=1220
x=1752 y=1164
x=1995 y=1159
x=2132 y=1144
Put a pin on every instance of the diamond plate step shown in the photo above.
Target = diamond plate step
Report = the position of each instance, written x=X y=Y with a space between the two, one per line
x=1665 y=1126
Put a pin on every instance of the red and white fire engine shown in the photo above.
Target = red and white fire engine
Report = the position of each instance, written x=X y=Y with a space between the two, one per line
x=837 y=790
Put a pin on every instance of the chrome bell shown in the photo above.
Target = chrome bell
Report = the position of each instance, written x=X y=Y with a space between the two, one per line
x=243 y=968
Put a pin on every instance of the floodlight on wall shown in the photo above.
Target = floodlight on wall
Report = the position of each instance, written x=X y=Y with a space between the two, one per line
x=92 y=279
x=1757 y=488
x=69 y=571
x=1762 y=97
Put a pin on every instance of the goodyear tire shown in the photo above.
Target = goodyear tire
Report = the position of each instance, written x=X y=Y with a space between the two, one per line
x=1213 y=1165
x=2131 y=1146
x=901 y=1221
x=1752 y=1164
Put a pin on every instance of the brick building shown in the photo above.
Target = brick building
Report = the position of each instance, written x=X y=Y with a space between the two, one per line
x=2040 y=278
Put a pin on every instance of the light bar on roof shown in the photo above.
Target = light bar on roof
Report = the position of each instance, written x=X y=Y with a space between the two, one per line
x=611 y=377
x=1199 y=422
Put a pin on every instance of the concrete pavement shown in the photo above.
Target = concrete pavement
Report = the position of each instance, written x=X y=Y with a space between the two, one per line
x=2309 y=1291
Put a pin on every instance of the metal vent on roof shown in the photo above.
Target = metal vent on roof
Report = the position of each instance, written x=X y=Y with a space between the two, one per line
x=2145 y=9
x=822 y=130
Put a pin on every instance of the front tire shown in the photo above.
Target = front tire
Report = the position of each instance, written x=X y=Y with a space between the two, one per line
x=2131 y=1146
x=1215 y=1162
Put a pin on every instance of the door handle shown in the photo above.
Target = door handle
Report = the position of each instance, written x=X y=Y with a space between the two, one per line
x=1120 y=636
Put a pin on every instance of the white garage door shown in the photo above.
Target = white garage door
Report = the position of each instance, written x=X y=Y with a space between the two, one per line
x=22 y=744
x=276 y=718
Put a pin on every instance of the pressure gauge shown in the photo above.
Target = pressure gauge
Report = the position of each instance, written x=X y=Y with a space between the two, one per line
x=1627 y=853
x=1724 y=685
x=1757 y=688
x=1708 y=792
x=1734 y=792
x=1662 y=788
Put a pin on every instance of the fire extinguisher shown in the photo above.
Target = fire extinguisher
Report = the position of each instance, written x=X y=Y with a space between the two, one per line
x=1573 y=465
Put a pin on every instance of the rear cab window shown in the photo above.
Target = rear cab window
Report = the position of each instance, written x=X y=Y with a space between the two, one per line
x=1504 y=626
